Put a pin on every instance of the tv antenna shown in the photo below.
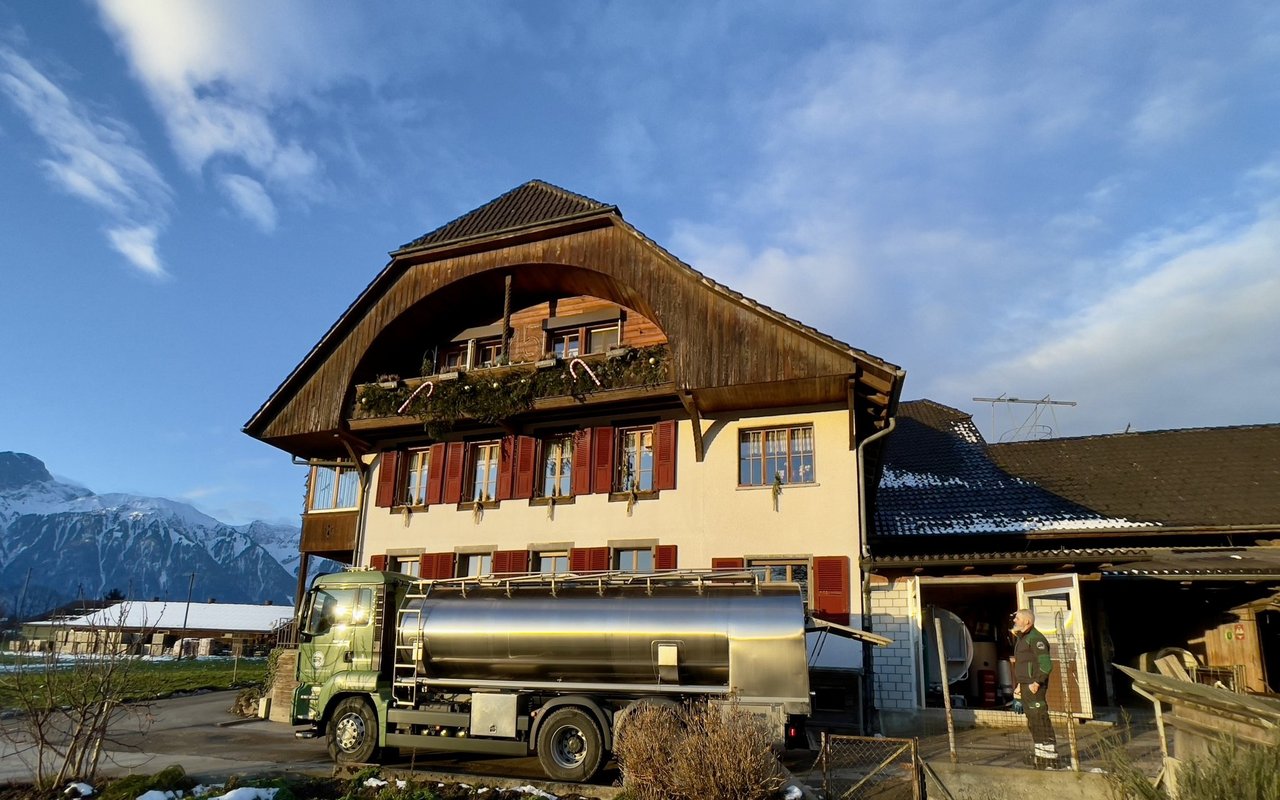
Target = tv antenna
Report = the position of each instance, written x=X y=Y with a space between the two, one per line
x=1030 y=427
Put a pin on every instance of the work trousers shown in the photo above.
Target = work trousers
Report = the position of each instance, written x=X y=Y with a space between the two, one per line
x=1036 y=705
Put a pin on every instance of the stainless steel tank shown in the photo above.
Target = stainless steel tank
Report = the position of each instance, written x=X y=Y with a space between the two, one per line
x=729 y=637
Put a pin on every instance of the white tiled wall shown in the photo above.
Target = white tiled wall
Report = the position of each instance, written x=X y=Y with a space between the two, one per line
x=895 y=613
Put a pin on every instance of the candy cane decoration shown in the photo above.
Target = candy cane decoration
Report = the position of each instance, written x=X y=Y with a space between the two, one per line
x=574 y=375
x=428 y=385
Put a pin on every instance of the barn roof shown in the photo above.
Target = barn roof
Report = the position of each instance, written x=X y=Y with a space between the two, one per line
x=176 y=615
x=941 y=478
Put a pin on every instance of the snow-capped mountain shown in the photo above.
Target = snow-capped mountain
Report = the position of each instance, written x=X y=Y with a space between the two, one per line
x=60 y=542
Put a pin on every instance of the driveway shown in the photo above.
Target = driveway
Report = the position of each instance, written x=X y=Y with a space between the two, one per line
x=186 y=731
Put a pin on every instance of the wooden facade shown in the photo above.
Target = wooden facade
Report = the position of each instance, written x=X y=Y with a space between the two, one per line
x=726 y=351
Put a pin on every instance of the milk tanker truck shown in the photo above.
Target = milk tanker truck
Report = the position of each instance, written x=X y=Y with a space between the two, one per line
x=546 y=665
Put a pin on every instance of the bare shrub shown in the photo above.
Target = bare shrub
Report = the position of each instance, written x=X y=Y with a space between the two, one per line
x=697 y=752
x=67 y=705
x=1232 y=770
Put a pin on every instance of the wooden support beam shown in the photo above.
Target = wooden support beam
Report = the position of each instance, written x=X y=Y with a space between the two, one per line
x=690 y=403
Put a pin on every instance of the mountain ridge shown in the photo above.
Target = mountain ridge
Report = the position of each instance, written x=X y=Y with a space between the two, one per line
x=61 y=542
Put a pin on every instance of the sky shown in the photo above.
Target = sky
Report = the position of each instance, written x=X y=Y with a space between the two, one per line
x=1068 y=200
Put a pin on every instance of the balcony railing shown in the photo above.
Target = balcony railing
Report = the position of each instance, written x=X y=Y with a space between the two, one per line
x=493 y=394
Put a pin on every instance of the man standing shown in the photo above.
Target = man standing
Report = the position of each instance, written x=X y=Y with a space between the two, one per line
x=1031 y=667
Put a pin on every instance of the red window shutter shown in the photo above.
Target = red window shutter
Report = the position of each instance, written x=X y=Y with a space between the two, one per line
x=435 y=474
x=728 y=564
x=378 y=562
x=506 y=467
x=510 y=561
x=388 y=471
x=454 y=461
x=436 y=566
x=831 y=588
x=582 y=462
x=664 y=455
x=526 y=467
x=589 y=559
x=602 y=460
x=664 y=557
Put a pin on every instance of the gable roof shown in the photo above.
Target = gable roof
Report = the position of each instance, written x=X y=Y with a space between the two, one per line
x=1188 y=477
x=942 y=479
x=551 y=240
x=529 y=204
x=939 y=480
x=161 y=615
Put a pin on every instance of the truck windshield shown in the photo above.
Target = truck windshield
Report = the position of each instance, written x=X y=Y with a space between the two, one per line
x=332 y=608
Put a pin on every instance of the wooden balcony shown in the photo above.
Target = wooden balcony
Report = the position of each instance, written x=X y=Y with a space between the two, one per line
x=504 y=392
x=331 y=534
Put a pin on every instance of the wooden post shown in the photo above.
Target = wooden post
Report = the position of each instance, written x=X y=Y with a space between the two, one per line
x=946 y=690
x=1068 y=677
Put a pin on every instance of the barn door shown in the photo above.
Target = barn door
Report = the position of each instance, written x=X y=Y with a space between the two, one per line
x=1055 y=600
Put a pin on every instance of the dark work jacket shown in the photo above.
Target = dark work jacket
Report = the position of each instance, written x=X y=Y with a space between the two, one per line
x=1032 y=663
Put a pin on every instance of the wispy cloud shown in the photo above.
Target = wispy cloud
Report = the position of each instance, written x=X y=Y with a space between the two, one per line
x=227 y=78
x=248 y=196
x=95 y=158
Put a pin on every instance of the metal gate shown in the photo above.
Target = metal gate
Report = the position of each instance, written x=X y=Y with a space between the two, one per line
x=865 y=767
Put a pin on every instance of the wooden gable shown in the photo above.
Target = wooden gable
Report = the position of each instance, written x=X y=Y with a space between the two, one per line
x=726 y=351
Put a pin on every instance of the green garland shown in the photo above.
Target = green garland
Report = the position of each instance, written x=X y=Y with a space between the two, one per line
x=490 y=396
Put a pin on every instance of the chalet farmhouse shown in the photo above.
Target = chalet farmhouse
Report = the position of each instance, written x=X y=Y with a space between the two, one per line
x=536 y=386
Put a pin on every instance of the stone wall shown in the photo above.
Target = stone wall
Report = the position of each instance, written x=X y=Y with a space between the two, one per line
x=282 y=687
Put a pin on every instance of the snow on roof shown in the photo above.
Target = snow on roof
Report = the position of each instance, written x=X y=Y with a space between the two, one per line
x=239 y=617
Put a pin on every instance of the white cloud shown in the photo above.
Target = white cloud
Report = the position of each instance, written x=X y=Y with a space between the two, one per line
x=94 y=159
x=138 y=244
x=225 y=76
x=1171 y=347
x=251 y=199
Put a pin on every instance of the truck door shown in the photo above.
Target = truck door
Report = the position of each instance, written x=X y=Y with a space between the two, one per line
x=338 y=633
x=1055 y=600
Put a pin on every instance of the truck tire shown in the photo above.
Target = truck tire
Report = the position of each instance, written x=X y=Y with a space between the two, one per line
x=353 y=732
x=570 y=747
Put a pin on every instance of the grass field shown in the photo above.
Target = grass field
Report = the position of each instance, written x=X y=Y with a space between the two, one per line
x=147 y=679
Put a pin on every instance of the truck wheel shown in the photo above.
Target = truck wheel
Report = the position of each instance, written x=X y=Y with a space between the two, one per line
x=570 y=746
x=353 y=732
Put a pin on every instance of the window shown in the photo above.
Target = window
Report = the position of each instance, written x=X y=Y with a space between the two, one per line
x=413 y=492
x=783 y=571
x=640 y=560
x=635 y=460
x=333 y=488
x=409 y=565
x=565 y=344
x=338 y=608
x=473 y=564
x=484 y=471
x=776 y=454
x=489 y=352
x=557 y=467
x=552 y=563
x=601 y=338
x=454 y=358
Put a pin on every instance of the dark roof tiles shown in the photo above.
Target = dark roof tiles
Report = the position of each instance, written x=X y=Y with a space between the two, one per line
x=533 y=203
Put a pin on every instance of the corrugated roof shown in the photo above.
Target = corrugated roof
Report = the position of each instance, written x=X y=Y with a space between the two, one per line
x=533 y=203
x=229 y=617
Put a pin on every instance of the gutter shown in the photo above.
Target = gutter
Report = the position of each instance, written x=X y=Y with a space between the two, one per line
x=868 y=683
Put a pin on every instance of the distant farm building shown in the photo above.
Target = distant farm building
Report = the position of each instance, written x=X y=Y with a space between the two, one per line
x=161 y=628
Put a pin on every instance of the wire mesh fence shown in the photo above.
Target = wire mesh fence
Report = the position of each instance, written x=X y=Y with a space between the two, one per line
x=867 y=768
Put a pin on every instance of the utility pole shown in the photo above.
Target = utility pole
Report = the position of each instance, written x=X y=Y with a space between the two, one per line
x=187 y=614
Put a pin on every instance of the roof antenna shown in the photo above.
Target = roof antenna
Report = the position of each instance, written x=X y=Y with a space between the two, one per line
x=1029 y=428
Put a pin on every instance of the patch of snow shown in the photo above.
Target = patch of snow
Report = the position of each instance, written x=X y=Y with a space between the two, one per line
x=793 y=792
x=374 y=783
x=156 y=794
x=248 y=793
x=895 y=479
x=536 y=792
x=80 y=789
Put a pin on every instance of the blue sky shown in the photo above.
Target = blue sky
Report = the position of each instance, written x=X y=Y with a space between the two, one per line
x=1075 y=200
